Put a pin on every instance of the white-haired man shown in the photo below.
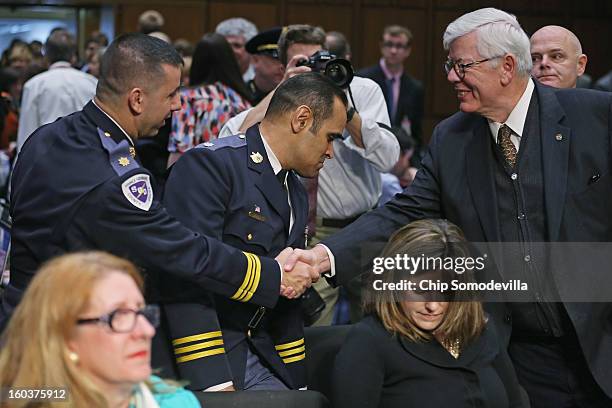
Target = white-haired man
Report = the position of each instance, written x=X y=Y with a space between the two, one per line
x=521 y=165
x=557 y=57
x=238 y=31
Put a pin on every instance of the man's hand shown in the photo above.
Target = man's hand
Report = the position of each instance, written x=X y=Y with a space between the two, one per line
x=293 y=286
x=316 y=258
x=291 y=70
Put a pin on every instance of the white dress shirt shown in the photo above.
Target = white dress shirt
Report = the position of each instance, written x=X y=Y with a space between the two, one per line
x=516 y=119
x=52 y=94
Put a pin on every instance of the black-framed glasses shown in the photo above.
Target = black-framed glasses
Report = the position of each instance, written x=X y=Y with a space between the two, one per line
x=399 y=46
x=123 y=320
x=460 y=68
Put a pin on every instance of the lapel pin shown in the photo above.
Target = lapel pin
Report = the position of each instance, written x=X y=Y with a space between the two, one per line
x=256 y=157
x=256 y=213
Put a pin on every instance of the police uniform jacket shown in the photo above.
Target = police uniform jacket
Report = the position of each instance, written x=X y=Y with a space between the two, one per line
x=227 y=189
x=76 y=186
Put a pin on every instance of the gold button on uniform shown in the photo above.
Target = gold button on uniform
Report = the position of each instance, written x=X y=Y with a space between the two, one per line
x=107 y=134
x=559 y=137
x=249 y=237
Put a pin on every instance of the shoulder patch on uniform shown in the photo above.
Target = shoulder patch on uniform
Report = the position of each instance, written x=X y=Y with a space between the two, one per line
x=138 y=191
x=120 y=155
x=230 y=141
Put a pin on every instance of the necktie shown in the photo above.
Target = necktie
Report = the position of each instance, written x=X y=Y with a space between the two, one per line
x=312 y=186
x=503 y=140
x=389 y=98
x=282 y=176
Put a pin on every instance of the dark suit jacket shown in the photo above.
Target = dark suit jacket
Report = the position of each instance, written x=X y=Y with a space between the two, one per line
x=410 y=102
x=456 y=183
x=378 y=369
x=227 y=189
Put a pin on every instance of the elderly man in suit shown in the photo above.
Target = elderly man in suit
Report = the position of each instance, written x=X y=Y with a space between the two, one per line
x=523 y=163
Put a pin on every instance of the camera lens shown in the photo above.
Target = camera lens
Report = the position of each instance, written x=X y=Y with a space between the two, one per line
x=340 y=71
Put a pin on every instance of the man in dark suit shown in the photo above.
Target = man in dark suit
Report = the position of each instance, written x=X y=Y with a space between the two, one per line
x=521 y=163
x=403 y=94
x=244 y=190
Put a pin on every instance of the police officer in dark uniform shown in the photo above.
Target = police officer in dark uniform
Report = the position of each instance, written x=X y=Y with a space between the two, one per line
x=243 y=189
x=268 y=69
x=78 y=185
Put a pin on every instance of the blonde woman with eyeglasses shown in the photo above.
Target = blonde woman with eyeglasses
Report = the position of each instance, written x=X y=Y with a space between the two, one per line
x=83 y=331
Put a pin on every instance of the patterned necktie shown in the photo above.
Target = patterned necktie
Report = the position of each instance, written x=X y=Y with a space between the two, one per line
x=503 y=140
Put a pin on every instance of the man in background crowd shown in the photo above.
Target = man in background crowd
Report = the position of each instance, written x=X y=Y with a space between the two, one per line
x=557 y=57
x=269 y=70
x=403 y=93
x=57 y=92
x=238 y=31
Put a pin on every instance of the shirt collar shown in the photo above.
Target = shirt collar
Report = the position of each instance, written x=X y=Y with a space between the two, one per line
x=388 y=73
x=60 y=64
x=115 y=122
x=516 y=119
x=274 y=162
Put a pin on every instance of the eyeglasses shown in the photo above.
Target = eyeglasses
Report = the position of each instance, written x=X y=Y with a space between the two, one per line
x=399 y=46
x=460 y=68
x=124 y=320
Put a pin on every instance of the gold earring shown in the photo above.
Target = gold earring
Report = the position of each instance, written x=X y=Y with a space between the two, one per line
x=74 y=357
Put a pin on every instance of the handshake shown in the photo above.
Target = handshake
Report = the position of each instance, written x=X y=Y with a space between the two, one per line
x=300 y=269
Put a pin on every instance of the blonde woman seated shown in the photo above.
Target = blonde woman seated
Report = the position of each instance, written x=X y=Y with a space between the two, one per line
x=83 y=325
x=422 y=349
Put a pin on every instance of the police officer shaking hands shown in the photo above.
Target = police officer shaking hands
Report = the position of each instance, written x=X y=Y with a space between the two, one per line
x=78 y=185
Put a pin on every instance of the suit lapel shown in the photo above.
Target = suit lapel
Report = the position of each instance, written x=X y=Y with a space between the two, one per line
x=479 y=168
x=263 y=176
x=555 y=156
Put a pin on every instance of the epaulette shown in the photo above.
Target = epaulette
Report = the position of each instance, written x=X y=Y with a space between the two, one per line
x=120 y=155
x=234 y=142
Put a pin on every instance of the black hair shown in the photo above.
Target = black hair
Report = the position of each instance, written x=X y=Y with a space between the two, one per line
x=336 y=43
x=312 y=89
x=60 y=46
x=134 y=60
x=213 y=60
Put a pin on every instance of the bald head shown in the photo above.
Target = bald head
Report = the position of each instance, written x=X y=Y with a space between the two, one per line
x=557 y=57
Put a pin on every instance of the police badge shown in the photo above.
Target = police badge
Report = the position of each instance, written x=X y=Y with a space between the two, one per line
x=137 y=189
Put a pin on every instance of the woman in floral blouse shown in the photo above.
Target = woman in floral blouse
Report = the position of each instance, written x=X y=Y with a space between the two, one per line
x=216 y=93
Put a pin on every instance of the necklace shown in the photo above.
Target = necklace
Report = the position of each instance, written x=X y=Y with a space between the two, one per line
x=453 y=347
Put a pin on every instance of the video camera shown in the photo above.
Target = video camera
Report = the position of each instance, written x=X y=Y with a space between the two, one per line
x=339 y=70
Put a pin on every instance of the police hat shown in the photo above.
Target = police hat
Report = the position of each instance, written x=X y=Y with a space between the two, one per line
x=265 y=43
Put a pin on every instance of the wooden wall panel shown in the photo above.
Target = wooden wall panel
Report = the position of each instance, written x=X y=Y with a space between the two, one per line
x=331 y=17
x=440 y=90
x=263 y=14
x=595 y=37
x=182 y=20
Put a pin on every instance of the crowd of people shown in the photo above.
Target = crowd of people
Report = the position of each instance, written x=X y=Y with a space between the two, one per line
x=191 y=208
